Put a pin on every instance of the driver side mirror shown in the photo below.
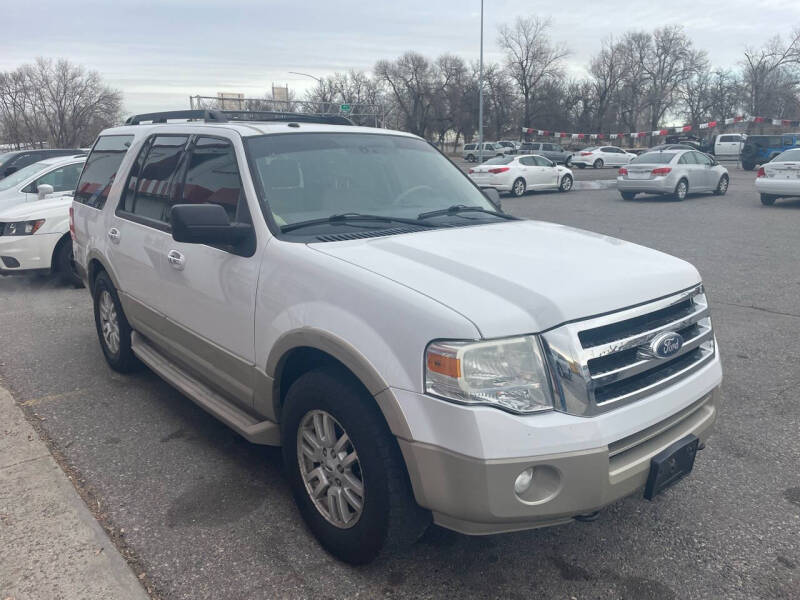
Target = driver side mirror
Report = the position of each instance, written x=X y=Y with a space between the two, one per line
x=43 y=190
x=494 y=197
x=206 y=224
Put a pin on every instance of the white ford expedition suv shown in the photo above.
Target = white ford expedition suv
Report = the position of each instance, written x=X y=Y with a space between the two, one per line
x=349 y=294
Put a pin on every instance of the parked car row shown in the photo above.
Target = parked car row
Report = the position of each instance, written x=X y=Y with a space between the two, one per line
x=34 y=218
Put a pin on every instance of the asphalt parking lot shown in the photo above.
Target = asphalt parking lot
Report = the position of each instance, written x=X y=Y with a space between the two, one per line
x=204 y=514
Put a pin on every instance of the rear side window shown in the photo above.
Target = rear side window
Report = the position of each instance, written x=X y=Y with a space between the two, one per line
x=212 y=177
x=470 y=147
x=788 y=156
x=100 y=169
x=153 y=185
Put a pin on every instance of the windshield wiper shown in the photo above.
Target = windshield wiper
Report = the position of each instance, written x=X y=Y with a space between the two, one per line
x=462 y=208
x=347 y=217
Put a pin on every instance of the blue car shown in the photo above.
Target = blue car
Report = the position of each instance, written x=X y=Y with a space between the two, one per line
x=760 y=149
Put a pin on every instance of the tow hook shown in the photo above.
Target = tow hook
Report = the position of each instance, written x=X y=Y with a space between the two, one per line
x=588 y=517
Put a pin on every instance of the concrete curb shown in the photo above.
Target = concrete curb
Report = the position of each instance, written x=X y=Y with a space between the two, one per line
x=50 y=544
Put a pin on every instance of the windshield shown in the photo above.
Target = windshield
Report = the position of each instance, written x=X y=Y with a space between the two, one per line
x=306 y=176
x=19 y=176
x=654 y=158
x=499 y=160
x=788 y=155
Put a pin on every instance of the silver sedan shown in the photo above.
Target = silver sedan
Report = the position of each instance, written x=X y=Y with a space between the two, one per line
x=672 y=172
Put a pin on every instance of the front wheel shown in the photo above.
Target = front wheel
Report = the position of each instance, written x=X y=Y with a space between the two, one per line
x=768 y=199
x=598 y=164
x=518 y=189
x=470 y=158
x=748 y=166
x=722 y=186
x=64 y=263
x=566 y=184
x=345 y=468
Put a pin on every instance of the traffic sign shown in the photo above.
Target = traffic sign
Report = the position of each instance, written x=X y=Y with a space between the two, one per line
x=345 y=108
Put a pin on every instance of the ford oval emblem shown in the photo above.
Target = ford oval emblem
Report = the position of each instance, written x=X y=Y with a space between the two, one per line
x=666 y=344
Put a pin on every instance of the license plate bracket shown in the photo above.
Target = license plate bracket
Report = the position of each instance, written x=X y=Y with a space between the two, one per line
x=671 y=465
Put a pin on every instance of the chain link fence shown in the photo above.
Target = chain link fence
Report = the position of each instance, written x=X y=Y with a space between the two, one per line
x=367 y=115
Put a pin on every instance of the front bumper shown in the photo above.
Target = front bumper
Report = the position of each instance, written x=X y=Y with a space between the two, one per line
x=778 y=187
x=27 y=252
x=659 y=185
x=477 y=497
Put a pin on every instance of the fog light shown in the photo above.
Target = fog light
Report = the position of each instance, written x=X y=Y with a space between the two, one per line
x=523 y=481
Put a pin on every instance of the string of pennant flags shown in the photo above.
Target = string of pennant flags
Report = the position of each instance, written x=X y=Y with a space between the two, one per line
x=660 y=132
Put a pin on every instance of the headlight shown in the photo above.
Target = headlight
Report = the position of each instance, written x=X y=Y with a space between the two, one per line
x=23 y=227
x=508 y=373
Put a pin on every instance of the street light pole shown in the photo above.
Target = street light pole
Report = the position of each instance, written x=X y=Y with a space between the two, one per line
x=480 y=96
x=306 y=75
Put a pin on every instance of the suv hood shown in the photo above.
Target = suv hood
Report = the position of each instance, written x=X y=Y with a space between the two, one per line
x=30 y=210
x=520 y=276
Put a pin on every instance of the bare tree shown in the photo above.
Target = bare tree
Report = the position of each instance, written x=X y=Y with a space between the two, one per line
x=56 y=101
x=608 y=70
x=531 y=58
x=409 y=80
x=769 y=72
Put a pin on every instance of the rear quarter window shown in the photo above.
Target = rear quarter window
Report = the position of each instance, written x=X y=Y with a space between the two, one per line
x=101 y=169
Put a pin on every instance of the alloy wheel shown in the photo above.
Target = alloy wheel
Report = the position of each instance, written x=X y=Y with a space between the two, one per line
x=330 y=469
x=109 y=322
x=519 y=188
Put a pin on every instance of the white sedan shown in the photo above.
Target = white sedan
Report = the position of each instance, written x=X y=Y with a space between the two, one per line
x=34 y=237
x=601 y=156
x=47 y=178
x=518 y=174
x=780 y=177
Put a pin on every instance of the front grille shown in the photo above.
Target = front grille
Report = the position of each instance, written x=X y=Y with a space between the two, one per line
x=603 y=363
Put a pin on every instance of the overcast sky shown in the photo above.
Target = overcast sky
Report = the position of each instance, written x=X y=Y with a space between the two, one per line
x=160 y=53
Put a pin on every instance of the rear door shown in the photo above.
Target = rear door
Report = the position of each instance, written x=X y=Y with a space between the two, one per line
x=138 y=231
x=209 y=291
x=705 y=166
x=694 y=174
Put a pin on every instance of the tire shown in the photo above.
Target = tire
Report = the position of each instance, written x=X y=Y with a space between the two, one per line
x=628 y=195
x=568 y=161
x=722 y=186
x=470 y=158
x=518 y=188
x=681 y=190
x=64 y=263
x=768 y=199
x=748 y=166
x=566 y=184
x=598 y=164
x=119 y=355
x=389 y=519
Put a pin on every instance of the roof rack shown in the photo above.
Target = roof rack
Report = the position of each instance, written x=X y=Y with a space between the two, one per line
x=224 y=116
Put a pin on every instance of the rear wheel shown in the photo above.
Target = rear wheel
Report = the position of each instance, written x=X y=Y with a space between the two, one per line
x=628 y=195
x=748 y=166
x=566 y=184
x=598 y=164
x=64 y=263
x=681 y=190
x=518 y=189
x=568 y=161
x=768 y=199
x=113 y=328
x=722 y=186
x=345 y=469
x=470 y=158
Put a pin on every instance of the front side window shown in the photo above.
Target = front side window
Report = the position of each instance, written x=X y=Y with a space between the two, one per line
x=212 y=177
x=63 y=179
x=100 y=169
x=306 y=176
x=701 y=159
x=154 y=181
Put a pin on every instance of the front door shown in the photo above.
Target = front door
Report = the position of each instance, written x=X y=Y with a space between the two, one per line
x=209 y=292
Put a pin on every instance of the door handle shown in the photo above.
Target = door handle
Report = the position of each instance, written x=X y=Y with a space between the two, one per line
x=176 y=260
x=113 y=235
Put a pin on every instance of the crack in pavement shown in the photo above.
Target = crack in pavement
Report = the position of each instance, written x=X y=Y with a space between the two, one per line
x=766 y=310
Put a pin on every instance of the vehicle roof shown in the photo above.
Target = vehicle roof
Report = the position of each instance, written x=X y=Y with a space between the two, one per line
x=248 y=128
x=37 y=150
x=57 y=160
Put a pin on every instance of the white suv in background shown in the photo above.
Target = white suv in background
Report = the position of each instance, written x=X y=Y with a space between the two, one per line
x=349 y=294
